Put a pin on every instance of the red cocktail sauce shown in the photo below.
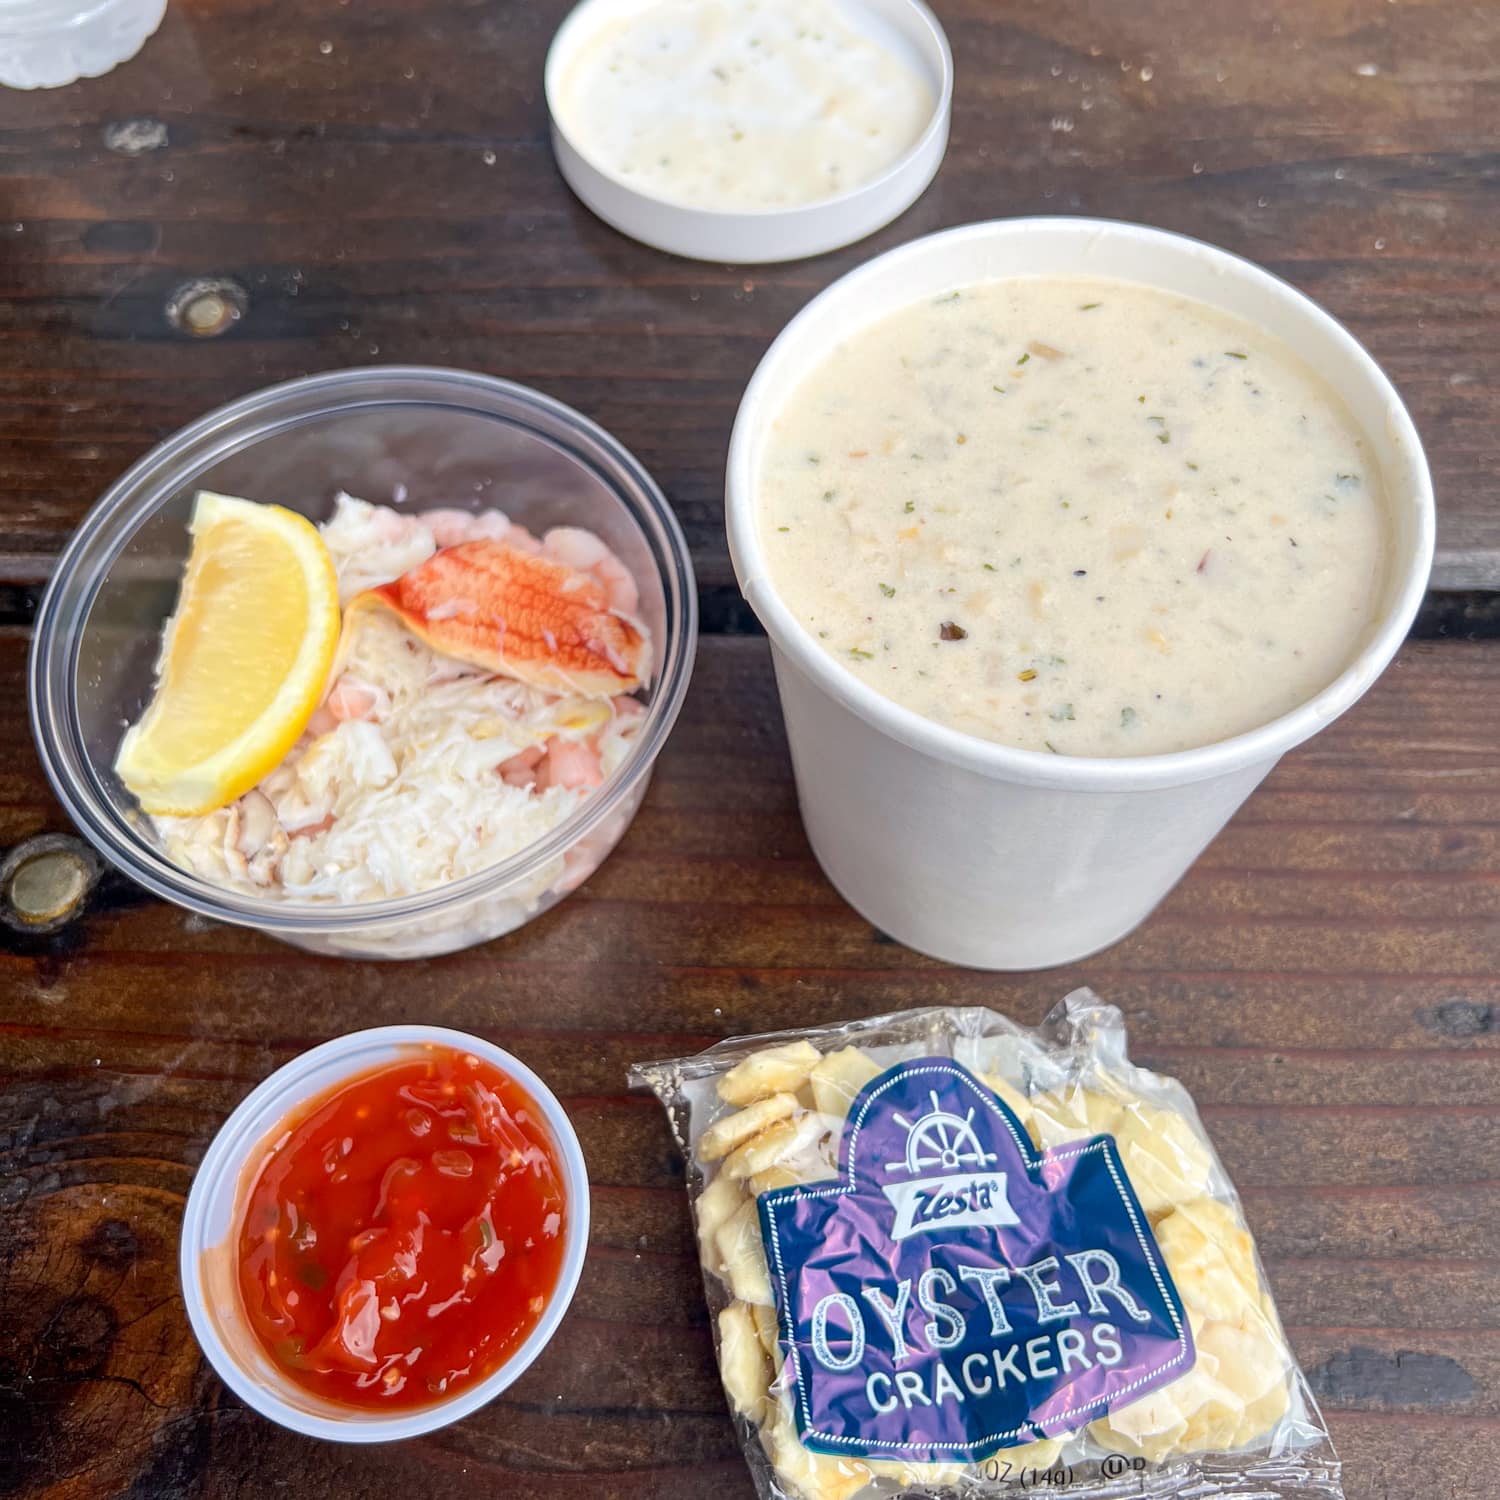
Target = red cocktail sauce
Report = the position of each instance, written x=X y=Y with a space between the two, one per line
x=404 y=1232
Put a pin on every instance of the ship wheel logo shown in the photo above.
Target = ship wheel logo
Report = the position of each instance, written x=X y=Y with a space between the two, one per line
x=940 y=1141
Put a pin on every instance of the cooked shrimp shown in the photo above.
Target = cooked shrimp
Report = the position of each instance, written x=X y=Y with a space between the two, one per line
x=448 y=527
x=576 y=548
x=618 y=579
x=495 y=526
x=520 y=769
x=571 y=764
x=628 y=711
x=522 y=540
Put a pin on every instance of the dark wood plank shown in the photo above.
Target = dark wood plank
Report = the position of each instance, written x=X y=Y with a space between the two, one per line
x=377 y=179
x=1324 y=981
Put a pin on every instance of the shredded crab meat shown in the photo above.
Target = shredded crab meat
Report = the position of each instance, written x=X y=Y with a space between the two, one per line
x=418 y=768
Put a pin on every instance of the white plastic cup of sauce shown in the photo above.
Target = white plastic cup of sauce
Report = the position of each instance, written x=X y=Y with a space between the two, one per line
x=756 y=236
x=208 y=1262
x=999 y=858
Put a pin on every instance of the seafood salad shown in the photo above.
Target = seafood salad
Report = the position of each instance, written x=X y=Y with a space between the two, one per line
x=481 y=687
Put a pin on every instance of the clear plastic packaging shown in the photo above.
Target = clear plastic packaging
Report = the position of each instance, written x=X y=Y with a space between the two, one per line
x=1048 y=1173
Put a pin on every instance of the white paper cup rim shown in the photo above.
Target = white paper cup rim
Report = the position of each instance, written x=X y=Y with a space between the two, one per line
x=308 y=1076
x=781 y=369
x=755 y=236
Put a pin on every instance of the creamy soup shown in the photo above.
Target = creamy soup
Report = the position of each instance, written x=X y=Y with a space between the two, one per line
x=742 y=104
x=1076 y=515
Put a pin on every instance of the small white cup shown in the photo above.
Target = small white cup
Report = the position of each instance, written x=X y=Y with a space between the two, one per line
x=210 y=1288
x=981 y=854
x=756 y=237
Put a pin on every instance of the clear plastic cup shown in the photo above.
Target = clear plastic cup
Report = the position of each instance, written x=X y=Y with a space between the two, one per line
x=45 y=44
x=975 y=852
x=210 y=1286
x=410 y=437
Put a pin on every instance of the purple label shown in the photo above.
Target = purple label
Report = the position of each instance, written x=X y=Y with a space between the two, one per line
x=954 y=1292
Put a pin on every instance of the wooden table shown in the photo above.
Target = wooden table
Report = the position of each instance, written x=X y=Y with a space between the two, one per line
x=373 y=181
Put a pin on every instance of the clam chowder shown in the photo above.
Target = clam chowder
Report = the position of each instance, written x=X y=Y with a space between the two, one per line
x=1076 y=516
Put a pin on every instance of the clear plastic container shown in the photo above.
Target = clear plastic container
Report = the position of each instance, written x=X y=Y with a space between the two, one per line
x=409 y=437
x=45 y=44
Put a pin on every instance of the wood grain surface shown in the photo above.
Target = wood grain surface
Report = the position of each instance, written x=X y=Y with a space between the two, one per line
x=375 y=179
x=1326 y=981
x=372 y=182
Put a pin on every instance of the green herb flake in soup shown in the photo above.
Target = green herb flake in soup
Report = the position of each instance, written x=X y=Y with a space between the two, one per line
x=1154 y=603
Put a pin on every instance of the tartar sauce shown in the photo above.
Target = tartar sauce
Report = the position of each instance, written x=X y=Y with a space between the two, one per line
x=742 y=105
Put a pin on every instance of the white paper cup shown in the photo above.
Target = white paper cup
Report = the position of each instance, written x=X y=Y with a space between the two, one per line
x=759 y=236
x=210 y=1288
x=1000 y=858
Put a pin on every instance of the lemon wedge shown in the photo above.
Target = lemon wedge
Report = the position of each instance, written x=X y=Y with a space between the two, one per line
x=244 y=660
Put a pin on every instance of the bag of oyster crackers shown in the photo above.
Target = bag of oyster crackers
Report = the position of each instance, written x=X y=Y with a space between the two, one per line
x=950 y=1256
